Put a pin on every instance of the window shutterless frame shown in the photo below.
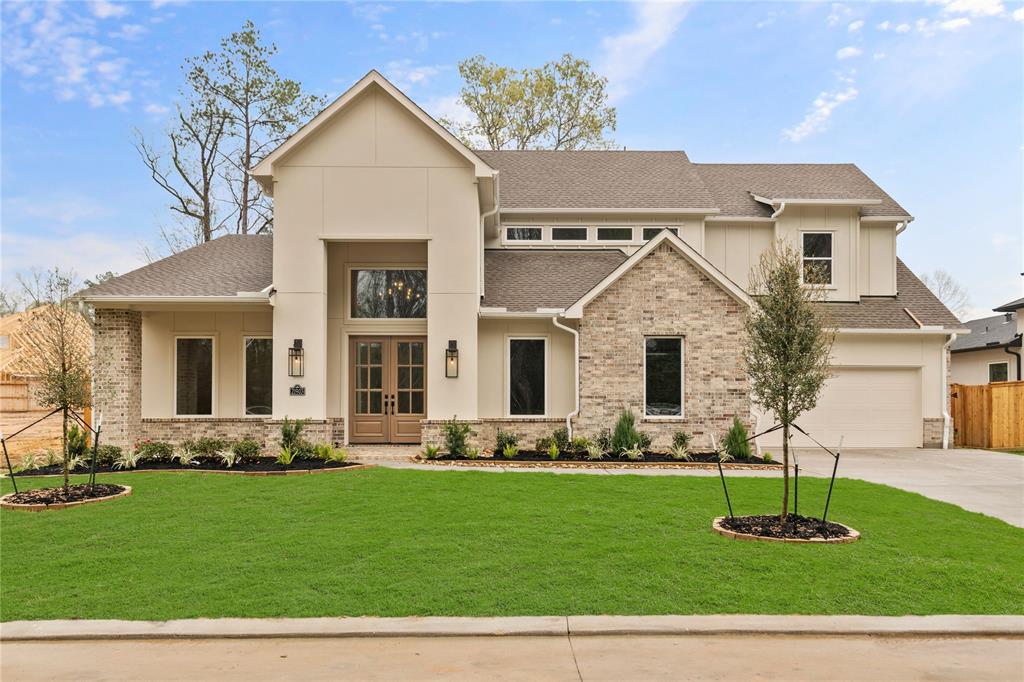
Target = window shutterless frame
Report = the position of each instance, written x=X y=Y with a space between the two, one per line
x=213 y=375
x=508 y=374
x=559 y=232
x=830 y=259
x=607 y=230
x=522 y=234
x=245 y=372
x=1006 y=371
x=682 y=380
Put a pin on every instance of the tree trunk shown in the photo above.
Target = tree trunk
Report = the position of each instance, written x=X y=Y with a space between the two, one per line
x=64 y=439
x=785 y=470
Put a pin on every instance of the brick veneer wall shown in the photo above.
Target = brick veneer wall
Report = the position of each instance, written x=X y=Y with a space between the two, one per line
x=932 y=432
x=663 y=295
x=484 y=432
x=266 y=431
x=117 y=374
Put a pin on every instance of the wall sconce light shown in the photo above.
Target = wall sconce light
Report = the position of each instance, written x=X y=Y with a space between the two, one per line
x=451 y=360
x=295 y=359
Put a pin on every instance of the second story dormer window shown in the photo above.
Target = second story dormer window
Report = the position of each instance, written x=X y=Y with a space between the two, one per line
x=817 y=257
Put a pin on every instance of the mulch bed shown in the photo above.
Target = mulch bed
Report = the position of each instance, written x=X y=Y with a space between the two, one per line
x=75 y=493
x=794 y=527
x=262 y=464
x=649 y=458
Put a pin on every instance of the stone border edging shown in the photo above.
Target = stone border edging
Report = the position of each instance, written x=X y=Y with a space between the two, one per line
x=236 y=472
x=487 y=462
x=60 y=505
x=534 y=626
x=852 y=537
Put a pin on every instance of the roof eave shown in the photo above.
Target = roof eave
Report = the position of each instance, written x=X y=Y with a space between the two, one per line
x=640 y=209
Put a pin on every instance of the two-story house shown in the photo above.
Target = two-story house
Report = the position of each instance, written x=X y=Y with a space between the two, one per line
x=411 y=279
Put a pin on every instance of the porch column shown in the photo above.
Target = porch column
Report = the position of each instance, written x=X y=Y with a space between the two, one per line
x=117 y=375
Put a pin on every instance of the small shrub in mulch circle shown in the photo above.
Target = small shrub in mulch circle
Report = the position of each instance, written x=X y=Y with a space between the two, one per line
x=74 y=493
x=793 y=527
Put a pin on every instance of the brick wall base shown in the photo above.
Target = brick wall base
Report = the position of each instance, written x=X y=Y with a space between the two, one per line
x=485 y=431
x=265 y=431
x=932 y=432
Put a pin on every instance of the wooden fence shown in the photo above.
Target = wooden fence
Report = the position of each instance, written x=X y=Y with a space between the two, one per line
x=988 y=415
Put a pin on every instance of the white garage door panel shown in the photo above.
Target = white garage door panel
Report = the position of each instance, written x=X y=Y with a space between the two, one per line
x=868 y=407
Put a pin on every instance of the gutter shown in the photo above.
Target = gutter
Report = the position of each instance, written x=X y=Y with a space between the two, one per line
x=1006 y=349
x=946 y=419
x=576 y=365
x=779 y=210
x=903 y=225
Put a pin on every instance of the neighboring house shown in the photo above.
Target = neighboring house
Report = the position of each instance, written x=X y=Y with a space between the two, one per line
x=411 y=280
x=992 y=351
x=20 y=368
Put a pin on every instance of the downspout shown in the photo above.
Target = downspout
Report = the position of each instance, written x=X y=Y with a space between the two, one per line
x=576 y=365
x=779 y=210
x=483 y=228
x=902 y=226
x=946 y=419
x=1006 y=349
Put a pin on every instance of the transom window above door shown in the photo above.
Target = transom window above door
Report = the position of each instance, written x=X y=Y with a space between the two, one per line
x=389 y=293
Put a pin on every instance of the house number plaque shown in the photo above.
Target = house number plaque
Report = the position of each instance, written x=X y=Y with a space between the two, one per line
x=297 y=389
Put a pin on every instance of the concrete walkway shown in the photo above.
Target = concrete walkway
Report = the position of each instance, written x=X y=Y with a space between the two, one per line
x=988 y=482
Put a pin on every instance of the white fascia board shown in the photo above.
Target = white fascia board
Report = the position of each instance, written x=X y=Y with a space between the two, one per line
x=885 y=218
x=610 y=211
x=575 y=311
x=739 y=219
x=241 y=297
x=796 y=201
x=492 y=313
x=264 y=170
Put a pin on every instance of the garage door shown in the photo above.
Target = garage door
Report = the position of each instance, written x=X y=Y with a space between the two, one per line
x=870 y=407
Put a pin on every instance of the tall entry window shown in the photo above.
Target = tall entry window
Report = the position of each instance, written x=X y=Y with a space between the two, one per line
x=389 y=293
x=527 y=377
x=193 y=376
x=259 y=387
x=663 y=376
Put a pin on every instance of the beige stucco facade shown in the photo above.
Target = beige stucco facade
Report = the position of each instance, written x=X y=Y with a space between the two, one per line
x=374 y=184
x=972 y=367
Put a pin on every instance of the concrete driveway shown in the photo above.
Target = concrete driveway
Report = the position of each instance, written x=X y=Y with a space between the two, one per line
x=977 y=480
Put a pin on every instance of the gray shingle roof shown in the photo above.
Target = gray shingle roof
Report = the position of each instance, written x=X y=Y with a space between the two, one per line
x=731 y=185
x=987 y=332
x=598 y=179
x=887 y=312
x=1011 y=306
x=527 y=279
x=222 y=267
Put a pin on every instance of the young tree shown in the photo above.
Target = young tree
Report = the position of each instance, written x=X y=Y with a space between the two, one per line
x=561 y=105
x=261 y=110
x=949 y=291
x=788 y=343
x=58 y=348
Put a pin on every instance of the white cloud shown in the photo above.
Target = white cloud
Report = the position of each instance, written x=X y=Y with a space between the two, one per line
x=157 y=4
x=106 y=10
x=855 y=26
x=450 y=107
x=371 y=11
x=55 y=47
x=955 y=24
x=405 y=73
x=64 y=211
x=1018 y=14
x=848 y=52
x=817 y=117
x=625 y=55
x=890 y=26
x=130 y=32
x=878 y=55
x=839 y=14
x=154 y=109
x=975 y=8
x=23 y=252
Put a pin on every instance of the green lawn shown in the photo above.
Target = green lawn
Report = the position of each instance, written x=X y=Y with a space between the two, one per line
x=395 y=543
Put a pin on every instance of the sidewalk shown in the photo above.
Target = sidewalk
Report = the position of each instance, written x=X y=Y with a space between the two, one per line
x=549 y=648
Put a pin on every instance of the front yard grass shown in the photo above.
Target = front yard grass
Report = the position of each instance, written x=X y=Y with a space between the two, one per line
x=400 y=542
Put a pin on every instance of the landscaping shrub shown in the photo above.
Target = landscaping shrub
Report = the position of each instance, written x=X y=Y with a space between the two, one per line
x=595 y=452
x=154 y=451
x=580 y=445
x=228 y=458
x=208 y=447
x=186 y=453
x=506 y=438
x=128 y=459
x=431 y=451
x=736 y=443
x=455 y=435
x=680 y=453
x=681 y=439
x=553 y=450
x=247 y=449
x=510 y=451
x=77 y=445
x=626 y=435
x=767 y=457
x=286 y=456
x=291 y=438
x=558 y=437
x=107 y=455
x=604 y=440
x=329 y=453
x=633 y=454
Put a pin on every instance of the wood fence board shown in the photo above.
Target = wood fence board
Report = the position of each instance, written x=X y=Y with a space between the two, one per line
x=988 y=415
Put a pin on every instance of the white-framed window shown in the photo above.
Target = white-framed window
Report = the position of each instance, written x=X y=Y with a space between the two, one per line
x=388 y=293
x=650 y=232
x=524 y=233
x=998 y=371
x=194 y=372
x=526 y=376
x=258 y=376
x=618 y=233
x=570 y=233
x=816 y=248
x=663 y=377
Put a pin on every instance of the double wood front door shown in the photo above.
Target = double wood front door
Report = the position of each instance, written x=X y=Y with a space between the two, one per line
x=387 y=388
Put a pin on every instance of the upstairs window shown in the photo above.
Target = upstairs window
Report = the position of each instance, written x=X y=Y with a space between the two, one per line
x=615 y=234
x=193 y=377
x=817 y=258
x=569 y=234
x=395 y=294
x=524 y=234
x=652 y=232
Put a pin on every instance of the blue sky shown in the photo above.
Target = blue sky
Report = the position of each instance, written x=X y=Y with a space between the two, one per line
x=925 y=97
